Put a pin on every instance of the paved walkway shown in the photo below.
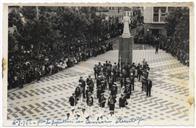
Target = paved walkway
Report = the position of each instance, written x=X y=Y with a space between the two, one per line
x=48 y=98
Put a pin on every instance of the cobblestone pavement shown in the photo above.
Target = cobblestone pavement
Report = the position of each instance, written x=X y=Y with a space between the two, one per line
x=48 y=98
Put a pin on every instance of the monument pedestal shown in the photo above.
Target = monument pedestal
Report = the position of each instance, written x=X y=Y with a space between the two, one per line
x=125 y=44
x=125 y=50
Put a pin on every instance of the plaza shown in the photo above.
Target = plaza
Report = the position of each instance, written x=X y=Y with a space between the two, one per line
x=98 y=65
x=48 y=97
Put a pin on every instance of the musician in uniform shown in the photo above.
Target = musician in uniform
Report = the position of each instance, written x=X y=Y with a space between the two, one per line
x=72 y=100
x=132 y=82
x=77 y=92
x=114 y=90
x=122 y=101
x=127 y=90
x=111 y=104
x=90 y=83
x=82 y=85
x=102 y=100
x=89 y=101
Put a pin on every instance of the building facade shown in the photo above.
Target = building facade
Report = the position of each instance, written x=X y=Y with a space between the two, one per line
x=154 y=20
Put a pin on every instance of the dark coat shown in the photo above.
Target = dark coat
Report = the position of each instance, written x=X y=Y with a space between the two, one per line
x=72 y=101
x=122 y=102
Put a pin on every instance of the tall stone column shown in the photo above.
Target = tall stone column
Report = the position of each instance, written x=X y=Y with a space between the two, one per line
x=126 y=42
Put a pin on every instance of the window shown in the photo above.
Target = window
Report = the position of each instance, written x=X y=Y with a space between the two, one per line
x=155 y=14
x=159 y=14
x=163 y=14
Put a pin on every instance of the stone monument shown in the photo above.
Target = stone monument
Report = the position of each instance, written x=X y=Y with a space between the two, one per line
x=125 y=44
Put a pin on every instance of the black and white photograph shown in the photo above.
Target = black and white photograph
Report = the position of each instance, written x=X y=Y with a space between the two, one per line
x=98 y=65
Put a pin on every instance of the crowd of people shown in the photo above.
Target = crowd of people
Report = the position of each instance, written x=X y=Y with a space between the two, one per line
x=172 y=46
x=178 y=50
x=26 y=67
x=42 y=43
x=113 y=80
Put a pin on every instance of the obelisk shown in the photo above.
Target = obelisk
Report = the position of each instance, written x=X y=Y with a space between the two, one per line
x=125 y=44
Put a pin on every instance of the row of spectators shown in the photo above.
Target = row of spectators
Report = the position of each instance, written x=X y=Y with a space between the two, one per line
x=27 y=67
x=178 y=49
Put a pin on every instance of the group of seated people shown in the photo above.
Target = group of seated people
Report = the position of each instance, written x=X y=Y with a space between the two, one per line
x=113 y=80
x=28 y=65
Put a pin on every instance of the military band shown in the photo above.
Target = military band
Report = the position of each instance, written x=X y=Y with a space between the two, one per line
x=110 y=80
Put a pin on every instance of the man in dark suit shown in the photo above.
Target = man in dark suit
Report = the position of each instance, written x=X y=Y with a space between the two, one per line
x=114 y=90
x=72 y=100
x=149 y=86
x=122 y=101
x=132 y=79
x=82 y=85
x=77 y=92
x=95 y=71
x=139 y=72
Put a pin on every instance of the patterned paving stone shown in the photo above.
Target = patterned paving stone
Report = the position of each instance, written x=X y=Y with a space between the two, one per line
x=48 y=98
